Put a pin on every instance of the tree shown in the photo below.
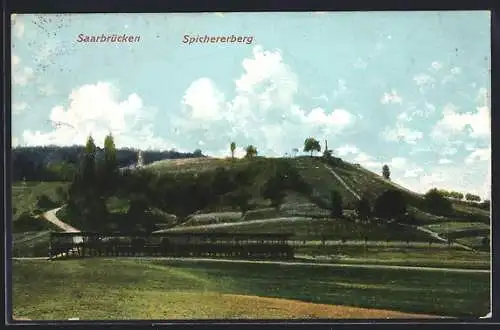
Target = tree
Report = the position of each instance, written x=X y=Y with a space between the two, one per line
x=336 y=203
x=233 y=148
x=274 y=190
x=386 y=173
x=390 y=204
x=108 y=167
x=363 y=209
x=311 y=145
x=251 y=151
x=472 y=198
x=436 y=202
x=241 y=198
x=89 y=166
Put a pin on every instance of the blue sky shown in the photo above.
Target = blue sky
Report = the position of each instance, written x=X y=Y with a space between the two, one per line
x=407 y=89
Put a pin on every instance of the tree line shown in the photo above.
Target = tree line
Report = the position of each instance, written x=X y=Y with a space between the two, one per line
x=52 y=163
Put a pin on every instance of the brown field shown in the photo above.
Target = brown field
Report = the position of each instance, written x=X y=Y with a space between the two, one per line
x=208 y=305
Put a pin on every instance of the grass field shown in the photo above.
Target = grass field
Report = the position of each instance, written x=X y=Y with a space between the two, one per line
x=141 y=289
x=398 y=254
x=25 y=197
x=31 y=244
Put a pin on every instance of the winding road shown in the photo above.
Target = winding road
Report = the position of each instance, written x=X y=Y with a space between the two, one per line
x=52 y=217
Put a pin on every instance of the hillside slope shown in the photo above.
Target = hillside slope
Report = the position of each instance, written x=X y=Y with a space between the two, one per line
x=351 y=181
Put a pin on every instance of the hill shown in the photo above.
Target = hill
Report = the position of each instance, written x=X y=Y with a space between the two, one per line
x=322 y=176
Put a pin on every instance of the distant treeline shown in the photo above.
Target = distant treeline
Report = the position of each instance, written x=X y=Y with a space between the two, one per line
x=52 y=163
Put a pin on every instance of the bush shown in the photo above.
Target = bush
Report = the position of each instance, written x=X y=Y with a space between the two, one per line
x=44 y=203
x=391 y=204
x=436 y=202
x=28 y=222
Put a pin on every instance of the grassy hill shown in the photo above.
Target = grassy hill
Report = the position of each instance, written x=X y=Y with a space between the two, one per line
x=320 y=176
x=144 y=289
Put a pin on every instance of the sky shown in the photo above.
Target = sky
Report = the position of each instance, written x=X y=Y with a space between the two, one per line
x=407 y=89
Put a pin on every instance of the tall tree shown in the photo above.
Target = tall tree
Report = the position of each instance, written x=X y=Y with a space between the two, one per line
x=89 y=161
x=311 y=145
x=386 y=173
x=108 y=168
x=390 y=204
x=251 y=151
x=233 y=148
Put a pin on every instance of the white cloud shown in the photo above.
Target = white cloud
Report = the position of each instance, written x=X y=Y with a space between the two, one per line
x=15 y=142
x=478 y=155
x=204 y=100
x=453 y=123
x=338 y=118
x=475 y=180
x=20 y=75
x=413 y=172
x=391 y=97
x=346 y=150
x=444 y=161
x=19 y=107
x=401 y=133
x=368 y=161
x=262 y=112
x=424 y=81
x=448 y=151
x=456 y=70
x=436 y=65
x=97 y=110
x=219 y=14
x=398 y=163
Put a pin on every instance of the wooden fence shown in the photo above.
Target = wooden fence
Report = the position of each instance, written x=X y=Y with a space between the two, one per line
x=243 y=246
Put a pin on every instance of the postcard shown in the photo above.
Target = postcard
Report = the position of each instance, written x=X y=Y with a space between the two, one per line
x=251 y=166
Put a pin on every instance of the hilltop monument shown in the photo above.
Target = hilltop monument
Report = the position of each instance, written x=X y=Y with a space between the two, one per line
x=140 y=159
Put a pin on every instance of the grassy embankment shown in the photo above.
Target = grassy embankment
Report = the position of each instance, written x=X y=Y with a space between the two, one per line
x=142 y=289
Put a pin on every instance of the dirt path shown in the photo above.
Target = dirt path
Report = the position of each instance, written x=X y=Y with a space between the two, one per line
x=52 y=217
x=440 y=238
x=293 y=263
x=346 y=186
x=238 y=223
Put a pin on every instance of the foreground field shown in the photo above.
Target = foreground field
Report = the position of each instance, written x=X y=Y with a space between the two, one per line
x=142 y=289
